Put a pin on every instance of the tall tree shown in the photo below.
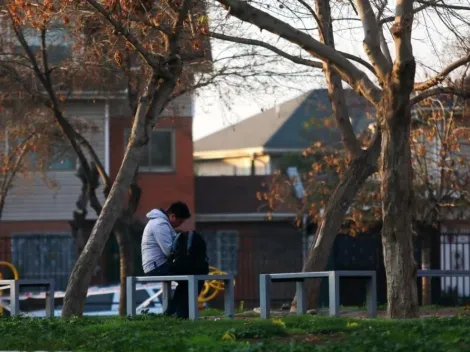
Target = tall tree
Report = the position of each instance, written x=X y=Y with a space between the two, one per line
x=440 y=152
x=388 y=84
x=112 y=46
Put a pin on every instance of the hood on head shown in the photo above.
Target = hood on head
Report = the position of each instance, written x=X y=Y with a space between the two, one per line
x=155 y=214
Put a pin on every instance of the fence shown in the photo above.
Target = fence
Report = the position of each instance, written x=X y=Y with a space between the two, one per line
x=258 y=254
x=455 y=255
x=249 y=255
x=41 y=256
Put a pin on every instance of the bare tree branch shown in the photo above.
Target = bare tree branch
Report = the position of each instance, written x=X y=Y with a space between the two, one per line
x=463 y=93
x=254 y=42
x=314 y=15
x=359 y=61
x=401 y=31
x=120 y=29
x=442 y=75
x=178 y=27
x=356 y=78
x=392 y=18
x=442 y=4
x=428 y=4
x=335 y=87
x=372 y=45
x=44 y=77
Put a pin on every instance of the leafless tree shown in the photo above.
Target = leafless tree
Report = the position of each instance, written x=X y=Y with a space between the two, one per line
x=387 y=79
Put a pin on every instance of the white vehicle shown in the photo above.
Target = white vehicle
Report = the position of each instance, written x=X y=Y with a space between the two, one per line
x=101 y=301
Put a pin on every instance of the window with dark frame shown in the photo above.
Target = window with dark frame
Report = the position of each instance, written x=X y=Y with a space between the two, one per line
x=159 y=154
x=222 y=250
x=58 y=40
x=59 y=157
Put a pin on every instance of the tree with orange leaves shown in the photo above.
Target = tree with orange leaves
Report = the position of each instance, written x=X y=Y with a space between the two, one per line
x=155 y=52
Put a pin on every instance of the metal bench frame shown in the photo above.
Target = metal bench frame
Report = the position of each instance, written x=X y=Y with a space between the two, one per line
x=333 y=279
x=193 y=281
x=14 y=286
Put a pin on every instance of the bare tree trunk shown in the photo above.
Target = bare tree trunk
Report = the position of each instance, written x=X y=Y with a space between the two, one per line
x=78 y=224
x=123 y=232
x=126 y=262
x=426 y=265
x=2 y=204
x=359 y=170
x=75 y=295
x=396 y=191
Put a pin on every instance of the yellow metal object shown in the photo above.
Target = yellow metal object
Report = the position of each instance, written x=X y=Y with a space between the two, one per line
x=212 y=288
x=15 y=276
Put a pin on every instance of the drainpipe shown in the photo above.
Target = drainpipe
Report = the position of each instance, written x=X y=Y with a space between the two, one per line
x=304 y=238
x=106 y=137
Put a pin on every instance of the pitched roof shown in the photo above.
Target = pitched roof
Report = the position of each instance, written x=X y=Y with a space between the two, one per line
x=294 y=124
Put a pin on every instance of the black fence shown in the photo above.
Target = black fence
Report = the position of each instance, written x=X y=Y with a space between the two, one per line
x=455 y=255
x=267 y=254
x=39 y=256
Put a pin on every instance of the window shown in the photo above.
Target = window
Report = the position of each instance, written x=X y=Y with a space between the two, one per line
x=60 y=158
x=159 y=154
x=222 y=250
x=58 y=41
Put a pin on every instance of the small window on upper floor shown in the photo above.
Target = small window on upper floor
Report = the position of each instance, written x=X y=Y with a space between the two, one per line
x=45 y=156
x=58 y=41
x=160 y=153
x=61 y=157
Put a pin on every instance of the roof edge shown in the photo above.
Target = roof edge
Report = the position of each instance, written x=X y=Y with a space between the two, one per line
x=245 y=217
x=243 y=152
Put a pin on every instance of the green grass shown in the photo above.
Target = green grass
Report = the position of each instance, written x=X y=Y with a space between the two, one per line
x=293 y=334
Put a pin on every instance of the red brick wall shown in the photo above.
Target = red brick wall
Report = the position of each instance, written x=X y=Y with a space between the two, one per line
x=263 y=247
x=159 y=190
x=8 y=227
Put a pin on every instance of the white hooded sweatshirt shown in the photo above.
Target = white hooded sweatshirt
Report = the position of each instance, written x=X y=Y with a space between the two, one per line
x=157 y=240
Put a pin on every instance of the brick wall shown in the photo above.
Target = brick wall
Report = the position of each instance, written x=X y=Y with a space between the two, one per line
x=263 y=247
x=160 y=189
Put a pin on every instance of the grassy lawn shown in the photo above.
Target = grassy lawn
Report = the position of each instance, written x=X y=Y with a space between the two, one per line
x=305 y=333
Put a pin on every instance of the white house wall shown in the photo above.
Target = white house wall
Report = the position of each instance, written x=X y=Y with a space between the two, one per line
x=32 y=199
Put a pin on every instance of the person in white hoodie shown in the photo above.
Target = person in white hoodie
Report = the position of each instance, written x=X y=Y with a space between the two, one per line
x=158 y=237
x=157 y=240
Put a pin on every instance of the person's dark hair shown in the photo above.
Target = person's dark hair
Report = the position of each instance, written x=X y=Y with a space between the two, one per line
x=180 y=210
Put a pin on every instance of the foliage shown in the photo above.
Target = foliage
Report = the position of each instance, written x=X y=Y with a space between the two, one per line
x=440 y=142
x=305 y=333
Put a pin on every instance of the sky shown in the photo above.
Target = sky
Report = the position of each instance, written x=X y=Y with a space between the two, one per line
x=212 y=114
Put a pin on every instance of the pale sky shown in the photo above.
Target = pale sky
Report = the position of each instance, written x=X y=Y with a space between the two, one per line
x=211 y=114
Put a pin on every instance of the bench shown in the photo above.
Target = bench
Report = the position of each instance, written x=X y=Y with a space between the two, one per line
x=14 y=286
x=333 y=279
x=193 y=281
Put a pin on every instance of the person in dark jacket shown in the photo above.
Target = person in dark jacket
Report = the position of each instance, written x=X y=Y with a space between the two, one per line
x=187 y=257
